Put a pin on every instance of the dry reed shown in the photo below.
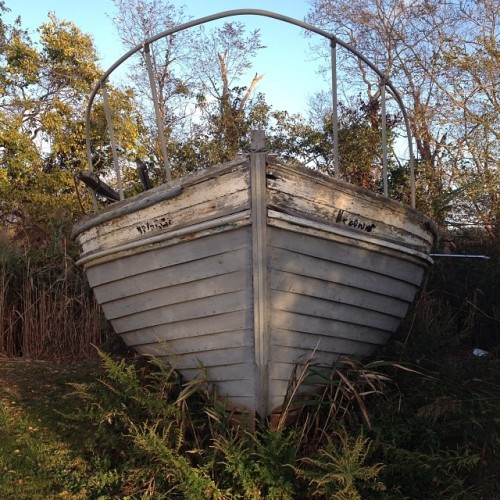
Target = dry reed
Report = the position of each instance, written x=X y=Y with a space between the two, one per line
x=47 y=312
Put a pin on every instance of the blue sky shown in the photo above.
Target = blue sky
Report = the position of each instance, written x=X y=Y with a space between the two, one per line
x=287 y=62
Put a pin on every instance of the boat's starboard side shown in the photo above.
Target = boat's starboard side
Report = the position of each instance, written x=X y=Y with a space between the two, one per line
x=215 y=194
x=190 y=302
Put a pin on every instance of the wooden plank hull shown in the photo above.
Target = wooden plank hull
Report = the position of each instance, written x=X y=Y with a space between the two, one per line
x=246 y=269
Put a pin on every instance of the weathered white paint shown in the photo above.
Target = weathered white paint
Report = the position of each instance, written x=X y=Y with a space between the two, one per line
x=254 y=271
x=312 y=196
x=259 y=272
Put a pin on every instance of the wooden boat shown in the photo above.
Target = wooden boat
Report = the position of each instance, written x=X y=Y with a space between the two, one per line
x=245 y=268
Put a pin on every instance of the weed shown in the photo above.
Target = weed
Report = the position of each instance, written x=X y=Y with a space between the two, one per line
x=422 y=423
x=339 y=469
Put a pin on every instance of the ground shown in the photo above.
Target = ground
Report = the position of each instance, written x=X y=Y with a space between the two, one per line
x=40 y=452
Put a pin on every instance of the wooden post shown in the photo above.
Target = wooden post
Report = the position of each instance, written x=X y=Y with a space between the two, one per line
x=259 y=262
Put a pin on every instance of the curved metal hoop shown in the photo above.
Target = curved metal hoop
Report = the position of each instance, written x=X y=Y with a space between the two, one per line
x=334 y=41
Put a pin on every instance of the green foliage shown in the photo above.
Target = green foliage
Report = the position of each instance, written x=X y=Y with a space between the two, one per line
x=40 y=454
x=335 y=460
x=259 y=465
x=442 y=430
x=27 y=470
x=310 y=141
x=23 y=60
x=457 y=310
x=69 y=55
x=124 y=402
x=322 y=395
x=141 y=428
x=432 y=474
x=45 y=86
x=139 y=432
x=38 y=106
x=223 y=56
x=339 y=470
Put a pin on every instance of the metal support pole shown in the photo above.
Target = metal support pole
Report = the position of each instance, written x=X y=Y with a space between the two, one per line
x=255 y=12
x=335 y=118
x=109 y=121
x=384 y=138
x=412 y=174
x=159 y=120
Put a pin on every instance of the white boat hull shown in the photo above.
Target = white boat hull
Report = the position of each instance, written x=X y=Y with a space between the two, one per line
x=245 y=269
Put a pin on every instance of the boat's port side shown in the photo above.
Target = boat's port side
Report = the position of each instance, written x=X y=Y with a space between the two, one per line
x=309 y=194
x=210 y=199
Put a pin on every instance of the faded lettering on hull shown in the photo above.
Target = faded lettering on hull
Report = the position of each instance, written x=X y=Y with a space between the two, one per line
x=344 y=217
x=154 y=225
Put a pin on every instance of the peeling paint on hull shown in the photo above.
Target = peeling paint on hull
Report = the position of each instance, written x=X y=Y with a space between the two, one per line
x=249 y=266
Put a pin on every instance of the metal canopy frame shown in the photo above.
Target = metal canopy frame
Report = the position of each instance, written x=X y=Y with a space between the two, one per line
x=334 y=41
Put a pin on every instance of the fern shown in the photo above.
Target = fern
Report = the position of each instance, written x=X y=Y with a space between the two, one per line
x=340 y=470
x=261 y=463
x=171 y=467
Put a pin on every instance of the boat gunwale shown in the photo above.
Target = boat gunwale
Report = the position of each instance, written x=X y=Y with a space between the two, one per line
x=155 y=195
x=165 y=192
x=346 y=187
x=135 y=204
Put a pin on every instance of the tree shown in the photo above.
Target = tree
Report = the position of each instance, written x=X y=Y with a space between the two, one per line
x=203 y=107
x=222 y=58
x=471 y=84
x=136 y=21
x=310 y=141
x=443 y=56
x=390 y=33
x=44 y=90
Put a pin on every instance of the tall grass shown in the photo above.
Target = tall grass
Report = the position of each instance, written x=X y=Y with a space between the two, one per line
x=46 y=308
x=160 y=439
x=422 y=422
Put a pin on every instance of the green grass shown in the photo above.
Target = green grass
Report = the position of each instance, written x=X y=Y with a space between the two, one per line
x=41 y=455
